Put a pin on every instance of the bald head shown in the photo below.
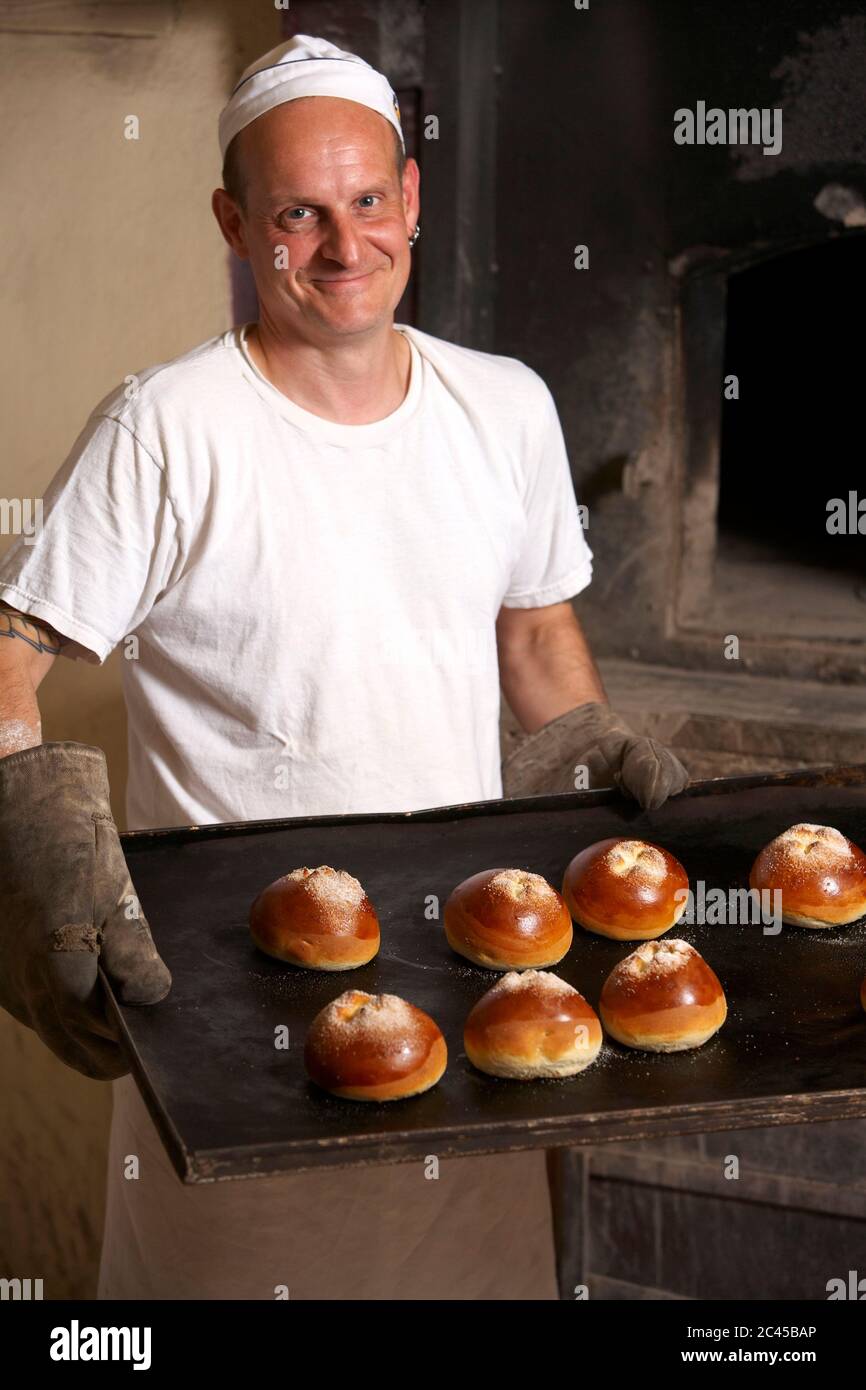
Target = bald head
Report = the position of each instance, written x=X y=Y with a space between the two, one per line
x=234 y=173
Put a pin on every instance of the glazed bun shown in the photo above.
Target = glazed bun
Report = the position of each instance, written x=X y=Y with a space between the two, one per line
x=532 y=1024
x=320 y=919
x=374 y=1047
x=662 y=998
x=626 y=889
x=821 y=875
x=508 y=919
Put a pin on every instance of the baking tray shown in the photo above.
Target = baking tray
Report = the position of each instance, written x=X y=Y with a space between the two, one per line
x=229 y=1104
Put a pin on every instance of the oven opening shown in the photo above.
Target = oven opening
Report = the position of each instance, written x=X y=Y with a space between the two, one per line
x=792 y=442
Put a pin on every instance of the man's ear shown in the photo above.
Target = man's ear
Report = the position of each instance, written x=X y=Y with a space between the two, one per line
x=230 y=220
x=411 y=195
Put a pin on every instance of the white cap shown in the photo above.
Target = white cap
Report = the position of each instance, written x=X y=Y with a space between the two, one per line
x=305 y=67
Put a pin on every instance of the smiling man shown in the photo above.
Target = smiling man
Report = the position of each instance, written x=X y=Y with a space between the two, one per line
x=332 y=537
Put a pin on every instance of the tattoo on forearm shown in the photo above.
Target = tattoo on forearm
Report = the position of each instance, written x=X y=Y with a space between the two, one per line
x=35 y=633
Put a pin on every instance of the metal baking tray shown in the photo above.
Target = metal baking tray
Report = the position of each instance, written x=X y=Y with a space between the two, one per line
x=229 y=1104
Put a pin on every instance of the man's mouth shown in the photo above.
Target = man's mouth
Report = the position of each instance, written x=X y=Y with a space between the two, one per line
x=342 y=280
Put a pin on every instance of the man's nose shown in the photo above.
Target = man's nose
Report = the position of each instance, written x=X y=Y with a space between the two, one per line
x=340 y=241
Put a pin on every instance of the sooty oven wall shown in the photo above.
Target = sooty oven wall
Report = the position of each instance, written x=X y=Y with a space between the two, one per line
x=630 y=346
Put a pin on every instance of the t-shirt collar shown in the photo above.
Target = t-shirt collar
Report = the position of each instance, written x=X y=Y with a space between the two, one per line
x=330 y=431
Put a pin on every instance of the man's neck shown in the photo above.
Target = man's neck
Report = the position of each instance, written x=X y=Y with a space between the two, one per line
x=352 y=384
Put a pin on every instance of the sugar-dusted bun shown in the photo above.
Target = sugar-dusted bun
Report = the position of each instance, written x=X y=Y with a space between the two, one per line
x=508 y=919
x=532 y=1024
x=317 y=918
x=820 y=873
x=627 y=889
x=662 y=998
x=374 y=1047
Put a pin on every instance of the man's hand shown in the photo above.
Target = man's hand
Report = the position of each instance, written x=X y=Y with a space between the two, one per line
x=593 y=737
x=553 y=686
x=66 y=900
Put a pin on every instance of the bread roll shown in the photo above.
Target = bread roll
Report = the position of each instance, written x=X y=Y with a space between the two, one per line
x=626 y=889
x=662 y=998
x=320 y=919
x=820 y=873
x=374 y=1047
x=508 y=919
x=532 y=1024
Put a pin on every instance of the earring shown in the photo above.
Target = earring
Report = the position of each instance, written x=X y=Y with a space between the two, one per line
x=416 y=235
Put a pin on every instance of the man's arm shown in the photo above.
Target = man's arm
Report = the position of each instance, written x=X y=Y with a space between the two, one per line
x=545 y=664
x=575 y=740
x=27 y=651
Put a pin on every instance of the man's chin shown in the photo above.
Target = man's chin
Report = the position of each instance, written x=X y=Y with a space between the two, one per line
x=357 y=317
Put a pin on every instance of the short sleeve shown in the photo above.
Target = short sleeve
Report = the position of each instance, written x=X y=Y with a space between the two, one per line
x=555 y=561
x=106 y=546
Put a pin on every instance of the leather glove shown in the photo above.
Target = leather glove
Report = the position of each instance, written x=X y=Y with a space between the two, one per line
x=66 y=901
x=615 y=756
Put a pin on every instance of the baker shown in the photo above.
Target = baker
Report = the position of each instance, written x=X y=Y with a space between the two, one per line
x=257 y=512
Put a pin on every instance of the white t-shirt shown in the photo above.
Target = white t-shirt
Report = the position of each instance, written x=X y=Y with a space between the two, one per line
x=314 y=610
x=312 y=604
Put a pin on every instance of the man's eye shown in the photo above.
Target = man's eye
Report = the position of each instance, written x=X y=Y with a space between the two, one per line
x=293 y=214
x=368 y=198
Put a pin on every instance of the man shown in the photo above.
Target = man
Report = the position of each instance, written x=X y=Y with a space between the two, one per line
x=330 y=538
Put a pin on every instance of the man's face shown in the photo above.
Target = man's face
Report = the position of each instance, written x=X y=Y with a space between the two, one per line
x=321 y=182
